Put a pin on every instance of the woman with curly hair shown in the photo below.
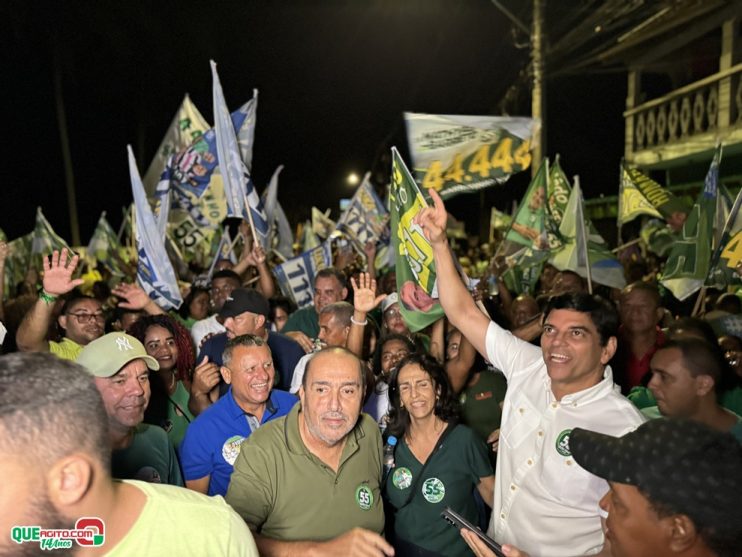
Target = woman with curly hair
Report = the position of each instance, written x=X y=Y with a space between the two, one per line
x=437 y=463
x=169 y=343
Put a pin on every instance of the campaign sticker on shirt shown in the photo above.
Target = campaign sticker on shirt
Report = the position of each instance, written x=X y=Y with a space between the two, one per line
x=402 y=478
x=433 y=490
x=562 y=443
x=231 y=448
x=364 y=497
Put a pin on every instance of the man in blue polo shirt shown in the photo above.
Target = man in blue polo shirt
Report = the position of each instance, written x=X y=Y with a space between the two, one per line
x=212 y=442
x=245 y=312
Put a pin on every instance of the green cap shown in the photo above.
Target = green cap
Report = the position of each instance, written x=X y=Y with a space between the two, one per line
x=105 y=356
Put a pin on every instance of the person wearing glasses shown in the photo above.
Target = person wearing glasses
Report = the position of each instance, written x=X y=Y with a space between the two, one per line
x=81 y=318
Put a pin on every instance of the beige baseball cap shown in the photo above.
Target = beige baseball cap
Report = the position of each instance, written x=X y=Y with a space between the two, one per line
x=105 y=356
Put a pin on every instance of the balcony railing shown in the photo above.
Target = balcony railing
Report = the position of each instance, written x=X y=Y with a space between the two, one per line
x=707 y=107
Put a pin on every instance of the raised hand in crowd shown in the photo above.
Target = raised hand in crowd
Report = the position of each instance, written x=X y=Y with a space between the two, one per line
x=203 y=387
x=345 y=256
x=304 y=341
x=433 y=219
x=364 y=300
x=134 y=297
x=58 y=271
x=369 y=250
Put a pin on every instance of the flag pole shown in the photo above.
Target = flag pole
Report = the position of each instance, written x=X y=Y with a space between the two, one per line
x=620 y=204
x=249 y=217
x=581 y=224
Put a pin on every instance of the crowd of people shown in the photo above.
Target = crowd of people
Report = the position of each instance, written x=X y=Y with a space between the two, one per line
x=560 y=422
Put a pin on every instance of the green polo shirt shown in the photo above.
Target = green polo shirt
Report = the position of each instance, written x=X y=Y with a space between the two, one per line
x=286 y=493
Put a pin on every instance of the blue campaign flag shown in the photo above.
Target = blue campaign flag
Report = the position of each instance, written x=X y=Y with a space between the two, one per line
x=296 y=276
x=366 y=218
x=238 y=187
x=155 y=272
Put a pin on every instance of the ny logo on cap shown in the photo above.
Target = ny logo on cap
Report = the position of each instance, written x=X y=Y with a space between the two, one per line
x=123 y=344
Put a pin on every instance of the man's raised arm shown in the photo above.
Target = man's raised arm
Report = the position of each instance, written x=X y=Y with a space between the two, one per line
x=31 y=335
x=456 y=300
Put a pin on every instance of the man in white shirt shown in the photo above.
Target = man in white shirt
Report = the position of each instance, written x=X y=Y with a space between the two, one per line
x=544 y=502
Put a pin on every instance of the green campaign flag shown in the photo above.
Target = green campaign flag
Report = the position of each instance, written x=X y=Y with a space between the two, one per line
x=527 y=228
x=104 y=247
x=660 y=198
x=557 y=194
x=45 y=240
x=687 y=266
x=577 y=242
x=416 y=274
x=455 y=154
x=17 y=262
x=728 y=250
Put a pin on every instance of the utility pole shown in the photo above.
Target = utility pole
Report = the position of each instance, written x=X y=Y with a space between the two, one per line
x=69 y=177
x=538 y=89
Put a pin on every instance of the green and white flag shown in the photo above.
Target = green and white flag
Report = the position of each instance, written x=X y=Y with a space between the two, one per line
x=688 y=264
x=416 y=274
x=558 y=190
x=45 y=240
x=728 y=252
x=187 y=126
x=631 y=201
x=104 y=247
x=604 y=267
x=455 y=154
x=17 y=262
x=527 y=228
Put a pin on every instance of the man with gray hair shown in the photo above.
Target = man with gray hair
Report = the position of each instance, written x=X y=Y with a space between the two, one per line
x=55 y=457
x=309 y=483
x=334 y=326
x=212 y=441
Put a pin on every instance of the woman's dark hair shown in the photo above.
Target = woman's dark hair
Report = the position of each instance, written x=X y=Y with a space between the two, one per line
x=446 y=406
x=185 y=308
x=376 y=362
x=601 y=311
x=281 y=302
x=156 y=411
x=186 y=352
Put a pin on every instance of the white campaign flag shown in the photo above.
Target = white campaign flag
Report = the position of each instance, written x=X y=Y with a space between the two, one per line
x=235 y=175
x=155 y=272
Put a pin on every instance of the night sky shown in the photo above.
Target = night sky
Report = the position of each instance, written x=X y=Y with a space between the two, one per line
x=334 y=78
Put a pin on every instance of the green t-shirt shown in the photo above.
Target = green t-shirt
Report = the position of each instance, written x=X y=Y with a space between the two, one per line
x=178 y=521
x=305 y=320
x=286 y=493
x=480 y=405
x=150 y=458
x=449 y=481
x=731 y=400
x=178 y=415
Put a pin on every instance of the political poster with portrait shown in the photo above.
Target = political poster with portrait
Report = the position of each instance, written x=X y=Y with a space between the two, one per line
x=416 y=274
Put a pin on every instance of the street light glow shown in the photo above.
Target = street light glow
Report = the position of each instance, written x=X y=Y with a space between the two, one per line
x=353 y=179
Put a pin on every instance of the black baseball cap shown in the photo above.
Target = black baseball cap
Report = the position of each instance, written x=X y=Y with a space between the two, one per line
x=245 y=299
x=684 y=466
